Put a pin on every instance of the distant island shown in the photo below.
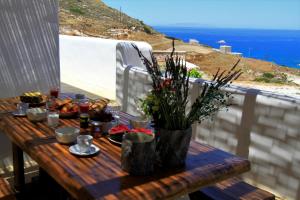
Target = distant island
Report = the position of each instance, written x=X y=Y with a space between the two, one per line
x=95 y=19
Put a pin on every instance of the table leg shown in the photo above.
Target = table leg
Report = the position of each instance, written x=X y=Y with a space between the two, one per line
x=18 y=161
x=51 y=187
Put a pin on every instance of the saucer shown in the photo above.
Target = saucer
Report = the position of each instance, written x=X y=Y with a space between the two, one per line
x=16 y=113
x=75 y=150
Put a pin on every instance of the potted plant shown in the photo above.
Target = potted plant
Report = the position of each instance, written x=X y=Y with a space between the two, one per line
x=167 y=103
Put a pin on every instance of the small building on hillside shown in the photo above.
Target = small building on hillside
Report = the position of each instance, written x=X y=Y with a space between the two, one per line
x=193 y=41
x=225 y=49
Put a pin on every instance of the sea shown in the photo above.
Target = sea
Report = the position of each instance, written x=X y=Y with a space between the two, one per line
x=279 y=46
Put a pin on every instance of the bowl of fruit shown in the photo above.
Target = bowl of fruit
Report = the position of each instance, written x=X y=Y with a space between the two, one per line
x=67 y=108
x=34 y=99
x=98 y=112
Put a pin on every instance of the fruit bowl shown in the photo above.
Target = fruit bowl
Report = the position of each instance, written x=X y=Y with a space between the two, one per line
x=34 y=99
x=31 y=97
x=66 y=108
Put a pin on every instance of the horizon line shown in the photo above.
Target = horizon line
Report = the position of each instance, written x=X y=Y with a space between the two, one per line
x=220 y=27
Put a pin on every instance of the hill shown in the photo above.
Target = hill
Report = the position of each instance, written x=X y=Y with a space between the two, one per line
x=95 y=18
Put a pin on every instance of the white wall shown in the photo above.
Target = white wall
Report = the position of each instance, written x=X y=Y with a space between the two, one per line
x=90 y=63
x=29 y=57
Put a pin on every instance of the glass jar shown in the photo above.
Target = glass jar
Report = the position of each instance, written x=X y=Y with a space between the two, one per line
x=84 y=120
x=96 y=129
x=84 y=106
x=53 y=119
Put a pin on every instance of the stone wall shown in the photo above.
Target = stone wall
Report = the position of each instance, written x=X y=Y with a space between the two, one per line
x=263 y=127
x=269 y=139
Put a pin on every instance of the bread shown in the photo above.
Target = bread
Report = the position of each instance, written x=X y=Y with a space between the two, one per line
x=99 y=105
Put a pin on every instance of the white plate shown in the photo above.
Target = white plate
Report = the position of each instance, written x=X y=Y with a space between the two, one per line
x=18 y=114
x=75 y=150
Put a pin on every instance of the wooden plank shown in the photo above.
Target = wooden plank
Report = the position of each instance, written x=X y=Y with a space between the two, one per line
x=232 y=189
x=101 y=177
x=6 y=192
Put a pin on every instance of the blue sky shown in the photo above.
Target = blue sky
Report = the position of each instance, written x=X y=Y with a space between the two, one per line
x=267 y=14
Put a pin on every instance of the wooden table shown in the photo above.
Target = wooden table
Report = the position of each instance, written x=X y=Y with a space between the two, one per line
x=101 y=177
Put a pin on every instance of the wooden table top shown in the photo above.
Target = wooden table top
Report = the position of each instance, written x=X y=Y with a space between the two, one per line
x=101 y=176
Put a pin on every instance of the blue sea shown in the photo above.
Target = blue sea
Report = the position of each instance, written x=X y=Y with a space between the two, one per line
x=279 y=46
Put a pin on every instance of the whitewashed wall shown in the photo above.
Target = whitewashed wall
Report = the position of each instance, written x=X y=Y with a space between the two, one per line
x=90 y=63
x=263 y=127
x=29 y=57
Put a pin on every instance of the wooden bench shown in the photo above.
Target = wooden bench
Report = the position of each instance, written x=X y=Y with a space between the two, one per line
x=232 y=189
x=6 y=192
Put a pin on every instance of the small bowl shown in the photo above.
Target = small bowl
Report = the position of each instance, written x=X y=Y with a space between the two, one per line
x=105 y=126
x=67 y=135
x=36 y=114
x=139 y=122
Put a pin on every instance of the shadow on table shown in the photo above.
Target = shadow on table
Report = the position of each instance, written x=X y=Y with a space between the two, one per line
x=41 y=141
x=212 y=166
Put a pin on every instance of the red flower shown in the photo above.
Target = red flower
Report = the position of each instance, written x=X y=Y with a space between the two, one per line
x=166 y=83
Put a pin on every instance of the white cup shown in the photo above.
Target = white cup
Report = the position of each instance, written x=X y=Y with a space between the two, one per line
x=22 y=107
x=84 y=143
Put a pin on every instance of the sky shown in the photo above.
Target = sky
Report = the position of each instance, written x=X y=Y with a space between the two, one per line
x=260 y=14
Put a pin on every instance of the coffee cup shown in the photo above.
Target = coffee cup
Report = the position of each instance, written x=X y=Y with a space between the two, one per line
x=84 y=143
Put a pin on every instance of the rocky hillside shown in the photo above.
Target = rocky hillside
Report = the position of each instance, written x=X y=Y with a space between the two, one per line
x=93 y=17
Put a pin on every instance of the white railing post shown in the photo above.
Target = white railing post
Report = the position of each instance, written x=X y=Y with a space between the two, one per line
x=248 y=116
x=126 y=87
